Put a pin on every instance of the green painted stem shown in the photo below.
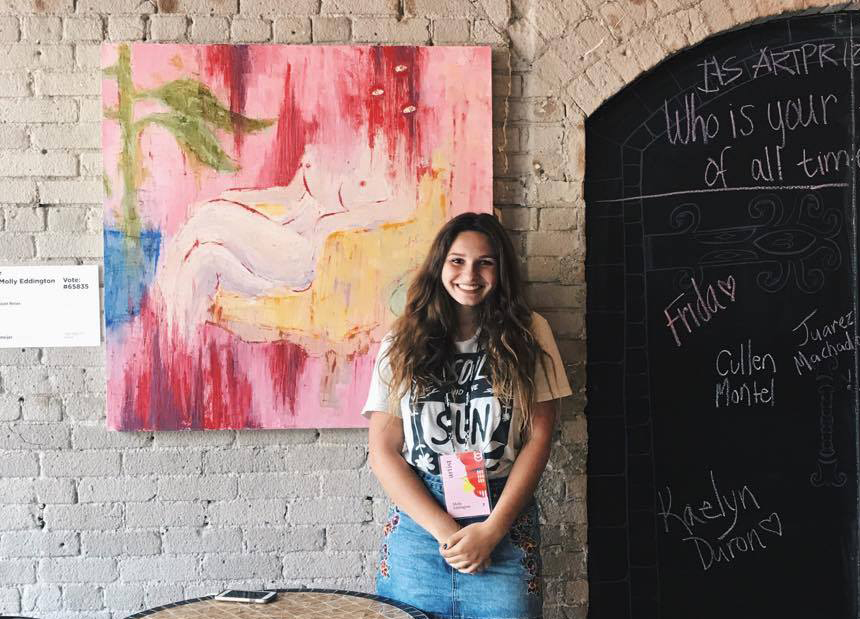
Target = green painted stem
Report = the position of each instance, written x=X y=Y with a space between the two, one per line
x=128 y=155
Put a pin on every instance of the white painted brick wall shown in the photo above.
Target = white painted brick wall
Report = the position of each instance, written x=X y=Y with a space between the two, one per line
x=126 y=28
x=40 y=544
x=16 y=464
x=42 y=29
x=87 y=57
x=13 y=136
x=120 y=543
x=14 y=85
x=331 y=29
x=210 y=30
x=191 y=540
x=10 y=28
x=201 y=7
x=291 y=29
x=15 y=163
x=25 y=219
x=295 y=538
x=26 y=57
x=90 y=28
x=82 y=597
x=97 y=524
x=168 y=28
x=63 y=83
x=412 y=31
x=271 y=8
x=250 y=30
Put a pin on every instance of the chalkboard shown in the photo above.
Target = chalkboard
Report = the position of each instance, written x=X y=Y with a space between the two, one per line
x=721 y=225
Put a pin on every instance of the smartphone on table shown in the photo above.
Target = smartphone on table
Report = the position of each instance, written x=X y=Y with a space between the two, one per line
x=253 y=597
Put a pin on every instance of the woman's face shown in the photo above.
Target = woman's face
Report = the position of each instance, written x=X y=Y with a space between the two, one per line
x=471 y=268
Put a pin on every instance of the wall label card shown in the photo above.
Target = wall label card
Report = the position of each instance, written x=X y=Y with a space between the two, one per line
x=49 y=306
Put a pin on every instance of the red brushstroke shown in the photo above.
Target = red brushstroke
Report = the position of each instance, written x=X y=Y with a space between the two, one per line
x=293 y=133
x=285 y=364
x=399 y=69
x=387 y=80
x=229 y=63
x=172 y=385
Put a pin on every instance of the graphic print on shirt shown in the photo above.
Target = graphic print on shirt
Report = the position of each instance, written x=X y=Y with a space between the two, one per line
x=473 y=419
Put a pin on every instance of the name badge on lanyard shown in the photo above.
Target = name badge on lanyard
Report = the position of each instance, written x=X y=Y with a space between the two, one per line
x=464 y=482
x=464 y=474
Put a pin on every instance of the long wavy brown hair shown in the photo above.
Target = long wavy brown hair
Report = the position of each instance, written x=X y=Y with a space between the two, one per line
x=422 y=339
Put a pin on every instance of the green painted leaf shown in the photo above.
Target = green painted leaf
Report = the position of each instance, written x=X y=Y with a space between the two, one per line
x=194 y=99
x=194 y=137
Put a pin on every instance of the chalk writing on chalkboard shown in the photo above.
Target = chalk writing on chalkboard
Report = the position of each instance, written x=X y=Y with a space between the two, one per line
x=722 y=310
x=825 y=341
x=779 y=118
x=699 y=309
x=800 y=60
x=758 y=376
x=723 y=526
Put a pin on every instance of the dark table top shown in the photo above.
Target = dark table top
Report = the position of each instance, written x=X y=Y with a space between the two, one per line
x=291 y=604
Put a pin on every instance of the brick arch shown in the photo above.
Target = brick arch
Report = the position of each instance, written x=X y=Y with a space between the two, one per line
x=632 y=56
x=573 y=57
x=613 y=45
x=569 y=64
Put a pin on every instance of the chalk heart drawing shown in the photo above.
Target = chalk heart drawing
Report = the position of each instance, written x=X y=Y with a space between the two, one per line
x=727 y=286
x=265 y=208
x=772 y=524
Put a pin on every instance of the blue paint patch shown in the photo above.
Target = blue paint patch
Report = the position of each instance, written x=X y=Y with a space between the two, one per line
x=129 y=269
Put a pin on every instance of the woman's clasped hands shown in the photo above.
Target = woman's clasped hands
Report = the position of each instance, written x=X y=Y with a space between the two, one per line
x=468 y=550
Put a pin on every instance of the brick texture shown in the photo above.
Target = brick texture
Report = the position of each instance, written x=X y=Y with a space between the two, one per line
x=168 y=27
x=331 y=29
x=97 y=524
x=291 y=29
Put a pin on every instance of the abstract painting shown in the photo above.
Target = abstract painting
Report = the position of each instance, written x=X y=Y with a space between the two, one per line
x=266 y=206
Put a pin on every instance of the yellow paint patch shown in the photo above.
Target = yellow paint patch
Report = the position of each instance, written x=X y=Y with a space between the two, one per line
x=359 y=273
x=270 y=210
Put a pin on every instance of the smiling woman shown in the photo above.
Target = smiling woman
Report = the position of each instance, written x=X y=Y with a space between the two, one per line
x=472 y=374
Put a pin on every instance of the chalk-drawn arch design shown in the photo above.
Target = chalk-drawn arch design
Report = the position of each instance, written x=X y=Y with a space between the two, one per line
x=796 y=245
x=783 y=238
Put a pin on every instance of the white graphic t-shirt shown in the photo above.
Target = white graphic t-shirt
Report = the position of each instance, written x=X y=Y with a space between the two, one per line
x=467 y=415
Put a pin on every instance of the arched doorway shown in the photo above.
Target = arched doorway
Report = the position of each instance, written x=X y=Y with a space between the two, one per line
x=721 y=225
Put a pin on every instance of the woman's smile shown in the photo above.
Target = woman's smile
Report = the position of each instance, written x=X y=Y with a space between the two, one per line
x=471 y=268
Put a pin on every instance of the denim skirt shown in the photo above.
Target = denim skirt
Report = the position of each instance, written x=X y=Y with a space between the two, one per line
x=411 y=570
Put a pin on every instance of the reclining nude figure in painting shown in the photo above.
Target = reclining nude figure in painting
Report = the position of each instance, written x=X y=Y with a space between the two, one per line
x=257 y=242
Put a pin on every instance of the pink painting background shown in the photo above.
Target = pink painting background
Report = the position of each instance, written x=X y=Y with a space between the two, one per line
x=161 y=376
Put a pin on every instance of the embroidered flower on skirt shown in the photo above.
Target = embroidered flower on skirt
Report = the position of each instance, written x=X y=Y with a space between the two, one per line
x=393 y=521
x=521 y=537
x=388 y=529
x=383 y=561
